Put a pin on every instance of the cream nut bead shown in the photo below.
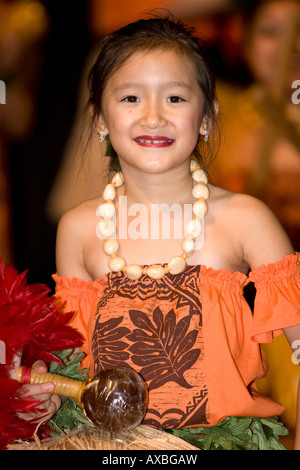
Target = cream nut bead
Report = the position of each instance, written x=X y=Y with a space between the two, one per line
x=105 y=228
x=188 y=246
x=116 y=264
x=111 y=246
x=176 y=265
x=200 y=208
x=156 y=271
x=193 y=228
x=133 y=271
x=107 y=210
x=118 y=179
x=193 y=165
x=199 y=175
x=109 y=192
x=200 y=190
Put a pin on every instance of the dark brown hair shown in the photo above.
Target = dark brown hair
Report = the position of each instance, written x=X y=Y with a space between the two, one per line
x=146 y=35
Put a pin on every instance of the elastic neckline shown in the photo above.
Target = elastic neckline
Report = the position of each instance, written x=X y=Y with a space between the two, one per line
x=207 y=272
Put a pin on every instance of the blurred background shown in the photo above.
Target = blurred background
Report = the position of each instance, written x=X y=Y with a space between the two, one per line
x=46 y=48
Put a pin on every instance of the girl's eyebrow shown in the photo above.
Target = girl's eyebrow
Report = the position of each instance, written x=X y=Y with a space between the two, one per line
x=179 y=84
x=173 y=83
x=126 y=85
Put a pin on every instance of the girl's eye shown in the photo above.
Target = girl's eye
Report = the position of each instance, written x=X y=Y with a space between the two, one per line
x=131 y=99
x=174 y=99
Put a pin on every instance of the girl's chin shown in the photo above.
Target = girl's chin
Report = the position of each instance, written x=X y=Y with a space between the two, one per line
x=158 y=167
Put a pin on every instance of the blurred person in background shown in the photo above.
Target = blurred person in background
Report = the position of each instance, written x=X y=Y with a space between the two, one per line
x=260 y=154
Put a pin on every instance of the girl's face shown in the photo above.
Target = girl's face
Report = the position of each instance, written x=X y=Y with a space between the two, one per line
x=264 y=45
x=152 y=110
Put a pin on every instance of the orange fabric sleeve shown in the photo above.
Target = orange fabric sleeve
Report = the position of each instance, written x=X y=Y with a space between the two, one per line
x=80 y=297
x=233 y=362
x=277 y=302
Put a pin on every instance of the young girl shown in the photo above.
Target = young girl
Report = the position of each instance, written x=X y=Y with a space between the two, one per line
x=172 y=307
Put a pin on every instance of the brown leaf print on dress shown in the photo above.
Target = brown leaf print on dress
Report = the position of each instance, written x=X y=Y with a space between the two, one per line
x=182 y=288
x=162 y=347
x=107 y=348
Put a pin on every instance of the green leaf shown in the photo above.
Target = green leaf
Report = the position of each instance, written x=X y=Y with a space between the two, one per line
x=71 y=368
x=236 y=433
x=70 y=414
x=109 y=148
x=278 y=429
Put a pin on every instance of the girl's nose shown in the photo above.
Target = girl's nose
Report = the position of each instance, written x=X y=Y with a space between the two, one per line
x=153 y=116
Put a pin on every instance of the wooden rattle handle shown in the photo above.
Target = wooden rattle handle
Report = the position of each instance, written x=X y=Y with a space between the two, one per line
x=64 y=386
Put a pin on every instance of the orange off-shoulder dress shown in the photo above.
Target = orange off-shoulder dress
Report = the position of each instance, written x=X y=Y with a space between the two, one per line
x=192 y=337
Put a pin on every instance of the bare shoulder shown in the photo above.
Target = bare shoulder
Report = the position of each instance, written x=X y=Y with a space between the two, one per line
x=73 y=232
x=74 y=224
x=261 y=235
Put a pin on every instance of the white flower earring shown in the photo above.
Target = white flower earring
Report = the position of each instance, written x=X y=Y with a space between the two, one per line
x=101 y=138
x=206 y=136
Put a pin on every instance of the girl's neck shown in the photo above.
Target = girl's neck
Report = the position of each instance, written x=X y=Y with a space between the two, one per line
x=173 y=186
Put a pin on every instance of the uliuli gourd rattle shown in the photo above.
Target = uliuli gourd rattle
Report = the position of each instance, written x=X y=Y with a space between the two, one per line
x=114 y=399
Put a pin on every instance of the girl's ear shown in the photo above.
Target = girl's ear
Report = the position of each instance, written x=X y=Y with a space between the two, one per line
x=216 y=107
x=98 y=122
x=101 y=125
x=206 y=124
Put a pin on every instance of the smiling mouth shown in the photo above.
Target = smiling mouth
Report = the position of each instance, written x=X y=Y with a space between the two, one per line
x=153 y=141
